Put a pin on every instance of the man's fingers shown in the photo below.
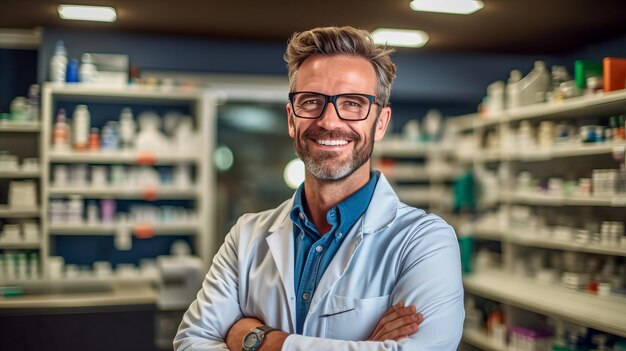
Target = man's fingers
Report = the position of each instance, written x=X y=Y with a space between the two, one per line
x=394 y=312
x=401 y=327
x=402 y=332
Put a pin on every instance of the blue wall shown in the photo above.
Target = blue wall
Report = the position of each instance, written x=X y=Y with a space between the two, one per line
x=440 y=77
x=17 y=73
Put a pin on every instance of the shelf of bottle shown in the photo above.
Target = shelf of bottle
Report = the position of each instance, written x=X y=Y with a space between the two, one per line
x=480 y=339
x=396 y=146
x=523 y=239
x=539 y=199
x=12 y=212
x=601 y=103
x=19 y=174
x=487 y=233
x=19 y=127
x=154 y=94
x=146 y=193
x=187 y=228
x=23 y=245
x=577 y=107
x=416 y=173
x=603 y=313
x=116 y=157
x=422 y=195
x=558 y=151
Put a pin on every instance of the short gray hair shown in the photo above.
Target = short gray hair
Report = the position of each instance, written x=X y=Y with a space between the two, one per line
x=342 y=40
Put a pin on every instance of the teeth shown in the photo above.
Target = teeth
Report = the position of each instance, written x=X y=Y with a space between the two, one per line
x=332 y=142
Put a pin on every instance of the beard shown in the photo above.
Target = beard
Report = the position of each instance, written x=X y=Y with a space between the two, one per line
x=327 y=165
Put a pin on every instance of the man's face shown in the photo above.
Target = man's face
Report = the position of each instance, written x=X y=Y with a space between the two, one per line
x=332 y=148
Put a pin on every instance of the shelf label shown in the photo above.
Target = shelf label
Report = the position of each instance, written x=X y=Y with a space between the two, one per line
x=143 y=231
x=150 y=193
x=146 y=158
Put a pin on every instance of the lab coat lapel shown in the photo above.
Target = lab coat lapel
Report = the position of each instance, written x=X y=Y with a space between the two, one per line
x=379 y=215
x=281 y=246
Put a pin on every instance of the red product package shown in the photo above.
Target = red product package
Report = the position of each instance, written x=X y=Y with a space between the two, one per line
x=614 y=73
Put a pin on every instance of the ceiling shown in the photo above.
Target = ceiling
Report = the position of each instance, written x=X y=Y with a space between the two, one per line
x=502 y=26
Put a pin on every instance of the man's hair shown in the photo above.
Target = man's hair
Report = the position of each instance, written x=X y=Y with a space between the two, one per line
x=337 y=41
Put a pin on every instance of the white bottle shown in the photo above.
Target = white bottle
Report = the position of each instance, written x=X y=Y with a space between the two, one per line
x=81 y=128
x=58 y=63
x=88 y=71
x=61 y=132
x=513 y=89
x=127 y=128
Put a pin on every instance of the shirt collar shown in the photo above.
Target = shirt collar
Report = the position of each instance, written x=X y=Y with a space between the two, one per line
x=349 y=210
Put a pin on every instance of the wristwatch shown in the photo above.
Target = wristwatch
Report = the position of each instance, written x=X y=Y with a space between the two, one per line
x=254 y=338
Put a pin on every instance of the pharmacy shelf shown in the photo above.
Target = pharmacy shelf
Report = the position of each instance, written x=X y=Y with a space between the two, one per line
x=145 y=193
x=413 y=173
x=79 y=281
x=155 y=95
x=191 y=228
x=115 y=297
x=550 y=200
x=422 y=195
x=117 y=157
x=487 y=233
x=566 y=245
x=15 y=127
x=480 y=339
x=20 y=245
x=563 y=151
x=603 y=313
x=9 y=212
x=19 y=174
x=599 y=104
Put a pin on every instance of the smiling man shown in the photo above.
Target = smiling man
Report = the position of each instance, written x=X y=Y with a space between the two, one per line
x=343 y=264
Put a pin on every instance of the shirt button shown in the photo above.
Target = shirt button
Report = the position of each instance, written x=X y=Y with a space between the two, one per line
x=319 y=248
x=306 y=296
x=339 y=235
x=301 y=215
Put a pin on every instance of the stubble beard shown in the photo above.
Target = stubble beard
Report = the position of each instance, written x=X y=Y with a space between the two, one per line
x=325 y=165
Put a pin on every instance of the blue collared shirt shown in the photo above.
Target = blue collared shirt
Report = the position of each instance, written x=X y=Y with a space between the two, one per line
x=314 y=250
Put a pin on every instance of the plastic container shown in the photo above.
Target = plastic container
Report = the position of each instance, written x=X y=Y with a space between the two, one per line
x=61 y=132
x=81 y=127
x=128 y=128
x=530 y=89
x=58 y=63
x=88 y=71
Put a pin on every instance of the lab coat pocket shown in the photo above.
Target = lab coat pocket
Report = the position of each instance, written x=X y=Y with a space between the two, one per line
x=349 y=318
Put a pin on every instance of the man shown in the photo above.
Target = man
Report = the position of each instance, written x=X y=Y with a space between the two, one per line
x=333 y=267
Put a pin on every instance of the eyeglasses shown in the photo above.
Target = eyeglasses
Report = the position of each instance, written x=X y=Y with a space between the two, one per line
x=350 y=107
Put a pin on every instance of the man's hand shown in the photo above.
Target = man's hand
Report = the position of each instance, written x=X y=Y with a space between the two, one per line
x=397 y=323
x=234 y=338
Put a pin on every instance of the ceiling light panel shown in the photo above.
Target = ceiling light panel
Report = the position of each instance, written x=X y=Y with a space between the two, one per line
x=87 y=13
x=400 y=37
x=461 y=7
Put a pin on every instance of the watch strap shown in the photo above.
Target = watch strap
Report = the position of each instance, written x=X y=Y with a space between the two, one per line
x=261 y=331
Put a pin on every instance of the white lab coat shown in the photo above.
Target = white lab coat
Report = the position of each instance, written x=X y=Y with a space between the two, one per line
x=393 y=253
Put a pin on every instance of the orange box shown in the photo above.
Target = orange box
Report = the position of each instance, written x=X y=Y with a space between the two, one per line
x=614 y=73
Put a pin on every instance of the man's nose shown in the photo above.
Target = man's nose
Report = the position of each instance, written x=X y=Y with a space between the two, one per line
x=330 y=118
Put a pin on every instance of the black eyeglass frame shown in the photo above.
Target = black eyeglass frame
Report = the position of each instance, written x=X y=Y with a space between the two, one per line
x=333 y=99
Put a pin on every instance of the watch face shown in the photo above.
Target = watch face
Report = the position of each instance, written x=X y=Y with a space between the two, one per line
x=250 y=340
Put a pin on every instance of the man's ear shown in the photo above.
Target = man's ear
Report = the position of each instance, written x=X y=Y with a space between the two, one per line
x=383 y=121
x=290 y=120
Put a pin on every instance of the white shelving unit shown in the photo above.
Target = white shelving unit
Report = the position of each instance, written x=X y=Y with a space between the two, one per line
x=201 y=194
x=603 y=313
x=517 y=293
x=416 y=178
x=20 y=127
x=22 y=139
